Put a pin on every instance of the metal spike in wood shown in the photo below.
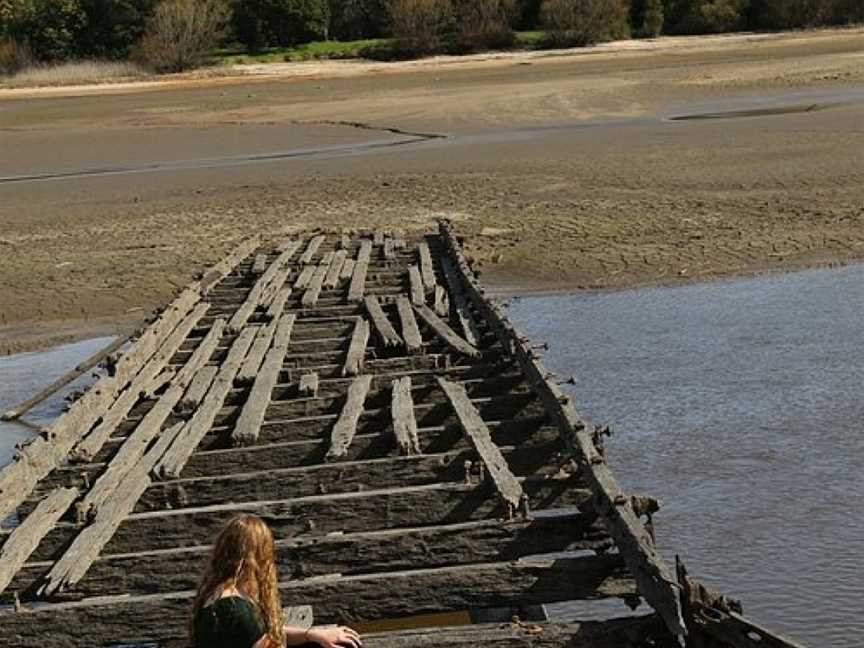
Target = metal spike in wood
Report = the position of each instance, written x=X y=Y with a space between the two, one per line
x=408 y=323
x=443 y=330
x=426 y=267
x=361 y=267
x=252 y=415
x=415 y=283
x=404 y=423
x=478 y=435
x=27 y=535
x=356 y=349
x=383 y=327
x=346 y=426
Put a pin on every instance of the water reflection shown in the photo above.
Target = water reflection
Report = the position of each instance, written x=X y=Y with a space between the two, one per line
x=739 y=405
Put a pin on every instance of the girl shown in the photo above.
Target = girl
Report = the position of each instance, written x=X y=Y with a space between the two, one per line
x=237 y=605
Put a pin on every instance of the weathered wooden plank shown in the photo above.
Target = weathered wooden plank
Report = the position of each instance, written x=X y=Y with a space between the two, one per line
x=308 y=384
x=404 y=423
x=656 y=582
x=259 y=348
x=252 y=415
x=443 y=330
x=344 y=241
x=347 y=269
x=316 y=283
x=385 y=330
x=349 y=553
x=442 y=303
x=311 y=249
x=27 y=536
x=138 y=619
x=184 y=445
x=305 y=277
x=480 y=438
x=198 y=388
x=378 y=237
x=361 y=267
x=224 y=267
x=345 y=428
x=259 y=264
x=264 y=290
x=88 y=544
x=331 y=280
x=460 y=303
x=408 y=323
x=389 y=248
x=278 y=304
x=92 y=442
x=357 y=348
x=415 y=283
x=202 y=352
x=426 y=268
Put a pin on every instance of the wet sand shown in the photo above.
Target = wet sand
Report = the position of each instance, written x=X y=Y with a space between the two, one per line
x=562 y=171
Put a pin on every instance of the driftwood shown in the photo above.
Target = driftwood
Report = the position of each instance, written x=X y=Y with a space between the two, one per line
x=345 y=428
x=443 y=330
x=410 y=330
x=252 y=415
x=404 y=423
x=357 y=349
x=389 y=336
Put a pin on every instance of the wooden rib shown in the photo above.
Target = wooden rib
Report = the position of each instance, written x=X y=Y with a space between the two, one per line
x=88 y=544
x=344 y=242
x=262 y=342
x=443 y=330
x=358 y=276
x=260 y=264
x=264 y=290
x=249 y=423
x=655 y=580
x=347 y=269
x=426 y=267
x=385 y=330
x=356 y=349
x=480 y=438
x=316 y=283
x=27 y=536
x=308 y=384
x=278 y=304
x=457 y=297
x=311 y=249
x=442 y=303
x=404 y=423
x=305 y=276
x=389 y=249
x=202 y=352
x=91 y=444
x=416 y=284
x=198 y=388
x=148 y=618
x=184 y=445
x=345 y=428
x=331 y=280
x=378 y=238
x=408 y=323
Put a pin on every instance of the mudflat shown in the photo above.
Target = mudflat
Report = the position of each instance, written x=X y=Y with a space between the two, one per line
x=680 y=160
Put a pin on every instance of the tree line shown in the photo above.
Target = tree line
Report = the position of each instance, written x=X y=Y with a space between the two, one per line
x=60 y=30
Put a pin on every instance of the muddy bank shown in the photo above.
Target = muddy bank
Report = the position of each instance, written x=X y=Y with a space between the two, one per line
x=561 y=174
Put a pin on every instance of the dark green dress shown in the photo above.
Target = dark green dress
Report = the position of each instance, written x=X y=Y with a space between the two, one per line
x=229 y=622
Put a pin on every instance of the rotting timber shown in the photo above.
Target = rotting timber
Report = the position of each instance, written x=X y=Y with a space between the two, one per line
x=405 y=444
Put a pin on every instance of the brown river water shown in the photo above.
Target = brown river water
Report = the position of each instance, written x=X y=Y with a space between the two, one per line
x=737 y=403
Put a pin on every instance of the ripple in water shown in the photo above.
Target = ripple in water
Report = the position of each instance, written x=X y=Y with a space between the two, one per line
x=738 y=404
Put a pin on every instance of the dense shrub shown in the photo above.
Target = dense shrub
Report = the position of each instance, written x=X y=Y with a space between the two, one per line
x=113 y=26
x=646 y=18
x=182 y=33
x=269 y=23
x=14 y=57
x=420 y=26
x=49 y=28
x=484 y=24
x=783 y=14
x=583 y=22
x=706 y=16
x=359 y=19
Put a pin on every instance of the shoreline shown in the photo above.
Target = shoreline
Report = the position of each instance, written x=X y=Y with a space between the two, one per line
x=71 y=331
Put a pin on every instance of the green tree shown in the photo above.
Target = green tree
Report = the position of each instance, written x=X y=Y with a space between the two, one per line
x=356 y=19
x=50 y=28
x=113 y=26
x=268 y=23
x=705 y=16
x=651 y=25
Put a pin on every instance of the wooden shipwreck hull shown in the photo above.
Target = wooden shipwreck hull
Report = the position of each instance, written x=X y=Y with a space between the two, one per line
x=404 y=443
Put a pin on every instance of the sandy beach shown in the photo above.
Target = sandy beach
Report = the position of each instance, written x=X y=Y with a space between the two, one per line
x=562 y=170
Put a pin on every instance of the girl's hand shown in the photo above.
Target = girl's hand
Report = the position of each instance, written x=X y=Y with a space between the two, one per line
x=335 y=637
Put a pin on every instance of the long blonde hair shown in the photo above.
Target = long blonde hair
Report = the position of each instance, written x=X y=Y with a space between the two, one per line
x=242 y=557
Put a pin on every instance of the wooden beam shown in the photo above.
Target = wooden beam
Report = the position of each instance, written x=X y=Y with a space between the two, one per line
x=361 y=267
x=260 y=264
x=27 y=535
x=426 y=267
x=264 y=290
x=305 y=276
x=198 y=388
x=357 y=348
x=184 y=445
x=202 y=352
x=308 y=384
x=443 y=330
x=404 y=423
x=481 y=440
x=347 y=269
x=442 y=302
x=311 y=249
x=249 y=423
x=345 y=428
x=460 y=303
x=385 y=330
x=656 y=582
x=408 y=323
x=316 y=283
x=415 y=283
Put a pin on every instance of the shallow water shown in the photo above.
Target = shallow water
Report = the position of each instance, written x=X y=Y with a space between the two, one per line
x=24 y=374
x=739 y=405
